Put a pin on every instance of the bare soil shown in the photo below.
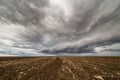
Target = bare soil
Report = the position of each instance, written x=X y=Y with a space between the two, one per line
x=60 y=68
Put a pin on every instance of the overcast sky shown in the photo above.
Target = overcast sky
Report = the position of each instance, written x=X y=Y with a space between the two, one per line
x=59 y=27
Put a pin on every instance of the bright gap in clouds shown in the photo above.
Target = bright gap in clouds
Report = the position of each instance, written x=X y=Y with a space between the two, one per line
x=63 y=4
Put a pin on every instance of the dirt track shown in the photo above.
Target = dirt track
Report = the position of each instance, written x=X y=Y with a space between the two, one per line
x=60 y=68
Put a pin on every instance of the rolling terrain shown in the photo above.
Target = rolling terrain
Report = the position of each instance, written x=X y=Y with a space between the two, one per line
x=60 y=68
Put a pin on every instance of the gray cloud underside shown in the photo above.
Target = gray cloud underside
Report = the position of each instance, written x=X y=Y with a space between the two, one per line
x=28 y=26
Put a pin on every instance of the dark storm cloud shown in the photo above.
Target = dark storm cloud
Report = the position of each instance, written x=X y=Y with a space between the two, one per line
x=22 y=11
x=58 y=26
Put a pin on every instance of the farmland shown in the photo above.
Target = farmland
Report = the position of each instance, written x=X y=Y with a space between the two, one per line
x=60 y=68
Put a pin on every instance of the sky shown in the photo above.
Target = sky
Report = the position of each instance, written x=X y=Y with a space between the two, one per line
x=59 y=27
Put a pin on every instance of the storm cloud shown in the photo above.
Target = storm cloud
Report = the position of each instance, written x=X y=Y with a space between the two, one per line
x=58 y=27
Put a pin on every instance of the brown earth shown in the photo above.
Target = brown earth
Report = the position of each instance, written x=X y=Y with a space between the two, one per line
x=60 y=68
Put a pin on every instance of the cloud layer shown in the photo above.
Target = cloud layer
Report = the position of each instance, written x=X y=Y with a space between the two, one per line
x=38 y=27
